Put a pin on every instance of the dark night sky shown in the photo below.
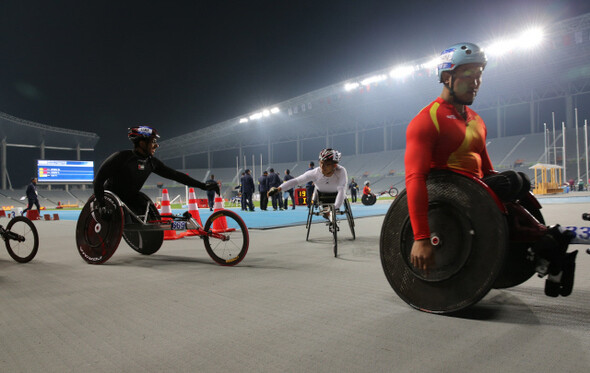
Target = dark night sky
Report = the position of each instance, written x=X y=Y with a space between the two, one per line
x=102 y=66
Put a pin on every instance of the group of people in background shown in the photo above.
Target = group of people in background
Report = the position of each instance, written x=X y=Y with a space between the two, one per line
x=268 y=180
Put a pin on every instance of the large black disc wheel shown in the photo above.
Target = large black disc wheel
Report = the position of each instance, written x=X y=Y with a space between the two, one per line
x=349 y=217
x=145 y=242
x=518 y=267
x=21 y=239
x=228 y=243
x=470 y=239
x=368 y=199
x=98 y=233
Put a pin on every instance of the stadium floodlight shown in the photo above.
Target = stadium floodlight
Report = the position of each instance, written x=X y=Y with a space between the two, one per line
x=243 y=120
x=531 y=38
x=255 y=116
x=401 y=72
x=266 y=112
x=373 y=79
x=274 y=110
x=351 y=86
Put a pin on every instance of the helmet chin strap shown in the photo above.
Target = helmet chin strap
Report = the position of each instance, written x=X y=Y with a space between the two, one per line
x=452 y=92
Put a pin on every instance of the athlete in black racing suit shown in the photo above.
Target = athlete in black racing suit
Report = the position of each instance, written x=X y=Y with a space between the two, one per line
x=125 y=172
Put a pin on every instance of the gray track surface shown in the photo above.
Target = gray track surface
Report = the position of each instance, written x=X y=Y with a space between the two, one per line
x=290 y=306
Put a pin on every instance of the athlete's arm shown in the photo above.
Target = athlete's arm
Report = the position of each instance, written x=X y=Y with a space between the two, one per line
x=300 y=180
x=486 y=163
x=421 y=138
x=166 y=172
x=343 y=175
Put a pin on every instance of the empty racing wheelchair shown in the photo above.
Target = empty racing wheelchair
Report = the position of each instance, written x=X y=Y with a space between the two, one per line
x=469 y=233
x=323 y=205
x=99 y=231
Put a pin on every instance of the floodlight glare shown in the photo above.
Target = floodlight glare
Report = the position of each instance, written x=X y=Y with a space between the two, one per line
x=265 y=112
x=243 y=120
x=531 y=37
x=431 y=64
x=401 y=72
x=373 y=79
x=274 y=110
x=351 y=86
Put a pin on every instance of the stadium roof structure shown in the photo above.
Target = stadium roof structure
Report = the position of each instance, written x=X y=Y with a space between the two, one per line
x=20 y=133
x=389 y=98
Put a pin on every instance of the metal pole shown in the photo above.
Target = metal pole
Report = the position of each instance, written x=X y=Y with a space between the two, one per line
x=563 y=152
x=238 y=167
x=577 y=144
x=253 y=166
x=586 y=147
x=261 y=172
x=545 y=143
x=554 y=150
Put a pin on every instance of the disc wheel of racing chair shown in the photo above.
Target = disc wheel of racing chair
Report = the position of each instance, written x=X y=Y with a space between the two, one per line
x=145 y=242
x=98 y=235
x=470 y=237
x=368 y=199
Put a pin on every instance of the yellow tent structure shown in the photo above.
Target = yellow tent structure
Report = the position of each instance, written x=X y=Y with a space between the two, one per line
x=547 y=178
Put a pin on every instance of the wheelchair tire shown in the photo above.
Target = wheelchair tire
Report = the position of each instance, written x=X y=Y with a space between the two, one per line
x=517 y=267
x=368 y=200
x=231 y=250
x=98 y=237
x=145 y=242
x=393 y=192
x=334 y=229
x=21 y=239
x=349 y=217
x=470 y=253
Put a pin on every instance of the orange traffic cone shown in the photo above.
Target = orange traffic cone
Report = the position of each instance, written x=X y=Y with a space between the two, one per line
x=166 y=215
x=219 y=224
x=193 y=209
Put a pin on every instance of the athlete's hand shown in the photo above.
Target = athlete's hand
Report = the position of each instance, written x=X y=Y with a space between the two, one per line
x=422 y=255
x=273 y=191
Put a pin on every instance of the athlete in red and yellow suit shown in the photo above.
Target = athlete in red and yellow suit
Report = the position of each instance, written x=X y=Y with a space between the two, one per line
x=439 y=138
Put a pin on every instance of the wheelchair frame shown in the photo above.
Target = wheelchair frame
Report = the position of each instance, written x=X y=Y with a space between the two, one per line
x=92 y=221
x=321 y=200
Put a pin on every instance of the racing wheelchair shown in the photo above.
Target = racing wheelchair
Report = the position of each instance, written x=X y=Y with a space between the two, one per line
x=323 y=205
x=472 y=249
x=99 y=230
x=371 y=199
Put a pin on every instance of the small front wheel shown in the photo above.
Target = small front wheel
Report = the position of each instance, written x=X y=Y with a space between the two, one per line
x=393 y=192
x=22 y=239
x=227 y=238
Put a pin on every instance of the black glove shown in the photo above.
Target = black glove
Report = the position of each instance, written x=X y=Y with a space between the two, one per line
x=104 y=210
x=273 y=191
